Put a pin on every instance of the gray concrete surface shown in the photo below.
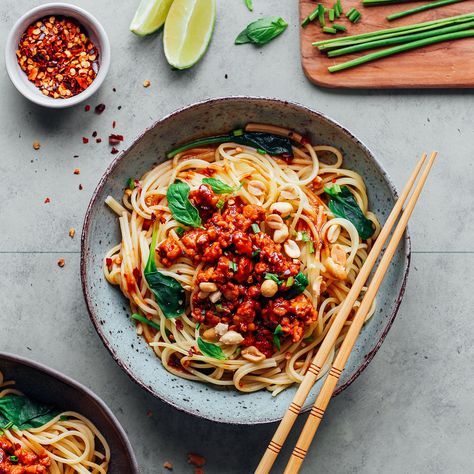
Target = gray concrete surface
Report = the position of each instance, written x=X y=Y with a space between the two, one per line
x=411 y=411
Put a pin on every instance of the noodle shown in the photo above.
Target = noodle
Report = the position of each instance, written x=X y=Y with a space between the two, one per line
x=321 y=237
x=69 y=440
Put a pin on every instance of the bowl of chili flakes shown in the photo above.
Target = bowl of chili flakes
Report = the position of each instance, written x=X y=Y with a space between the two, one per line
x=57 y=55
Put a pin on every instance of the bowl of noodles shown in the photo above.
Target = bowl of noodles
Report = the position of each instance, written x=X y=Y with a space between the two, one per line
x=218 y=248
x=51 y=424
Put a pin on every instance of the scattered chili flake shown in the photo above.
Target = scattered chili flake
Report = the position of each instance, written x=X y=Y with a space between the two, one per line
x=81 y=187
x=198 y=470
x=114 y=123
x=61 y=262
x=36 y=145
x=146 y=83
x=114 y=151
x=99 y=108
x=137 y=274
x=87 y=108
x=333 y=180
x=85 y=140
x=179 y=325
x=305 y=140
x=108 y=262
x=115 y=139
x=58 y=57
x=196 y=459
x=98 y=140
x=47 y=200
x=77 y=171
x=149 y=413
x=72 y=232
x=168 y=465
x=94 y=133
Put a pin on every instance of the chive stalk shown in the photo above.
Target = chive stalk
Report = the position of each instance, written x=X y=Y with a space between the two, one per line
x=401 y=48
x=331 y=14
x=330 y=30
x=321 y=11
x=310 y=17
x=421 y=8
x=339 y=27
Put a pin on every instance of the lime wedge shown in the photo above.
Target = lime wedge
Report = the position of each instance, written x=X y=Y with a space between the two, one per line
x=188 y=30
x=150 y=16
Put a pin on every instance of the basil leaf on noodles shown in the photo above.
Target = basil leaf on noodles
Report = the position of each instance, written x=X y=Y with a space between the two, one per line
x=343 y=204
x=169 y=294
x=299 y=285
x=276 y=336
x=262 y=31
x=218 y=186
x=210 y=350
x=275 y=145
x=180 y=205
x=24 y=413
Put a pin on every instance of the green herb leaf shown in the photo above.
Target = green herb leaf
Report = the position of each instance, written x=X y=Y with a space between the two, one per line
x=180 y=231
x=289 y=282
x=256 y=253
x=210 y=350
x=218 y=186
x=149 y=322
x=13 y=459
x=343 y=204
x=169 y=294
x=299 y=285
x=180 y=205
x=262 y=31
x=272 y=276
x=249 y=4
x=276 y=336
x=20 y=411
x=233 y=266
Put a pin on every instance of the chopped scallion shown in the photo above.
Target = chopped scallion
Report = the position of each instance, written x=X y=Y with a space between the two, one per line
x=233 y=266
x=272 y=276
x=321 y=10
x=331 y=14
x=220 y=204
x=256 y=253
x=290 y=281
x=261 y=152
x=329 y=30
x=238 y=133
x=255 y=228
x=131 y=183
x=339 y=27
x=142 y=319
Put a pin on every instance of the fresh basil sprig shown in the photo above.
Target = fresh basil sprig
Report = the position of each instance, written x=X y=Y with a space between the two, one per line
x=218 y=186
x=23 y=413
x=180 y=205
x=169 y=294
x=210 y=350
x=276 y=336
x=299 y=285
x=262 y=31
x=343 y=204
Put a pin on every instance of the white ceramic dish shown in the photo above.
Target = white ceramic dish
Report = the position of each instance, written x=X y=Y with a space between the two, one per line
x=96 y=33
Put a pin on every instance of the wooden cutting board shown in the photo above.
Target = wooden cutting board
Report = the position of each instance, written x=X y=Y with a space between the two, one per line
x=442 y=65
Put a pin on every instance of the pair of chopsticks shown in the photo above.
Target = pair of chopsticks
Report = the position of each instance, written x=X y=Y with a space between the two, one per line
x=322 y=400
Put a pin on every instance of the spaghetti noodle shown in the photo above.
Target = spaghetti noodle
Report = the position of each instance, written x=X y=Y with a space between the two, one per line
x=256 y=250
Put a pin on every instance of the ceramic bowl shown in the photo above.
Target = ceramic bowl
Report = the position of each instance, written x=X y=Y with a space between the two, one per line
x=109 y=310
x=51 y=387
x=96 y=33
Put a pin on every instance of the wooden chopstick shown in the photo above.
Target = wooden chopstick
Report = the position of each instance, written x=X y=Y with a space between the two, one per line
x=322 y=401
x=321 y=356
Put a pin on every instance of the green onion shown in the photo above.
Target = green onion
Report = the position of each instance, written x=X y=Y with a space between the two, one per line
x=233 y=266
x=219 y=306
x=305 y=237
x=310 y=17
x=180 y=231
x=198 y=325
x=353 y=15
x=238 y=133
x=397 y=40
x=290 y=282
x=130 y=183
x=421 y=8
x=255 y=228
x=328 y=29
x=261 y=152
x=13 y=459
x=399 y=49
x=339 y=7
x=321 y=11
x=272 y=276
x=220 y=204
x=310 y=246
x=331 y=14
x=142 y=319
x=8 y=425
x=339 y=27
x=256 y=253
x=63 y=418
x=350 y=12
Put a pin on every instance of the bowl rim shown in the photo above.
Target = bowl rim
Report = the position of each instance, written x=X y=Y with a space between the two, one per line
x=84 y=18
x=77 y=386
x=123 y=155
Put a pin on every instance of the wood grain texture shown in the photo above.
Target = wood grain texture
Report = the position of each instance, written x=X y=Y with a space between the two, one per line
x=443 y=65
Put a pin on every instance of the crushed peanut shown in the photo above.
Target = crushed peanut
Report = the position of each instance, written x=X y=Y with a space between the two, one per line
x=72 y=232
x=168 y=465
x=146 y=83
x=36 y=145
x=61 y=262
x=77 y=171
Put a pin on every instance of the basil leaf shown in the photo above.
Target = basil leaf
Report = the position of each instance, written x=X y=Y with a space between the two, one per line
x=180 y=205
x=343 y=204
x=210 y=350
x=276 y=336
x=218 y=186
x=272 y=144
x=169 y=294
x=24 y=413
x=249 y=5
x=299 y=285
x=262 y=31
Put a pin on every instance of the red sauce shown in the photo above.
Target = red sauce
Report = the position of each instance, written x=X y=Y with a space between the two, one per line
x=16 y=460
x=236 y=259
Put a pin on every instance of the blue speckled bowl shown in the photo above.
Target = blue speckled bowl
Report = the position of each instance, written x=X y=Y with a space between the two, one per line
x=109 y=309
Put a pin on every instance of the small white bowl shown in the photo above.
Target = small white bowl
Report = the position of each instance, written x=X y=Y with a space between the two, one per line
x=95 y=32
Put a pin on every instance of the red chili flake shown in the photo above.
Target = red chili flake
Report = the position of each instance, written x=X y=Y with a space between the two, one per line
x=47 y=200
x=179 y=325
x=196 y=459
x=115 y=139
x=77 y=171
x=190 y=352
x=137 y=274
x=137 y=183
x=153 y=217
x=94 y=133
x=333 y=180
x=305 y=140
x=146 y=224
x=162 y=220
x=80 y=187
x=98 y=140
x=149 y=413
x=85 y=140
x=114 y=151
x=108 y=262
x=286 y=156
x=99 y=108
x=87 y=108
x=114 y=123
